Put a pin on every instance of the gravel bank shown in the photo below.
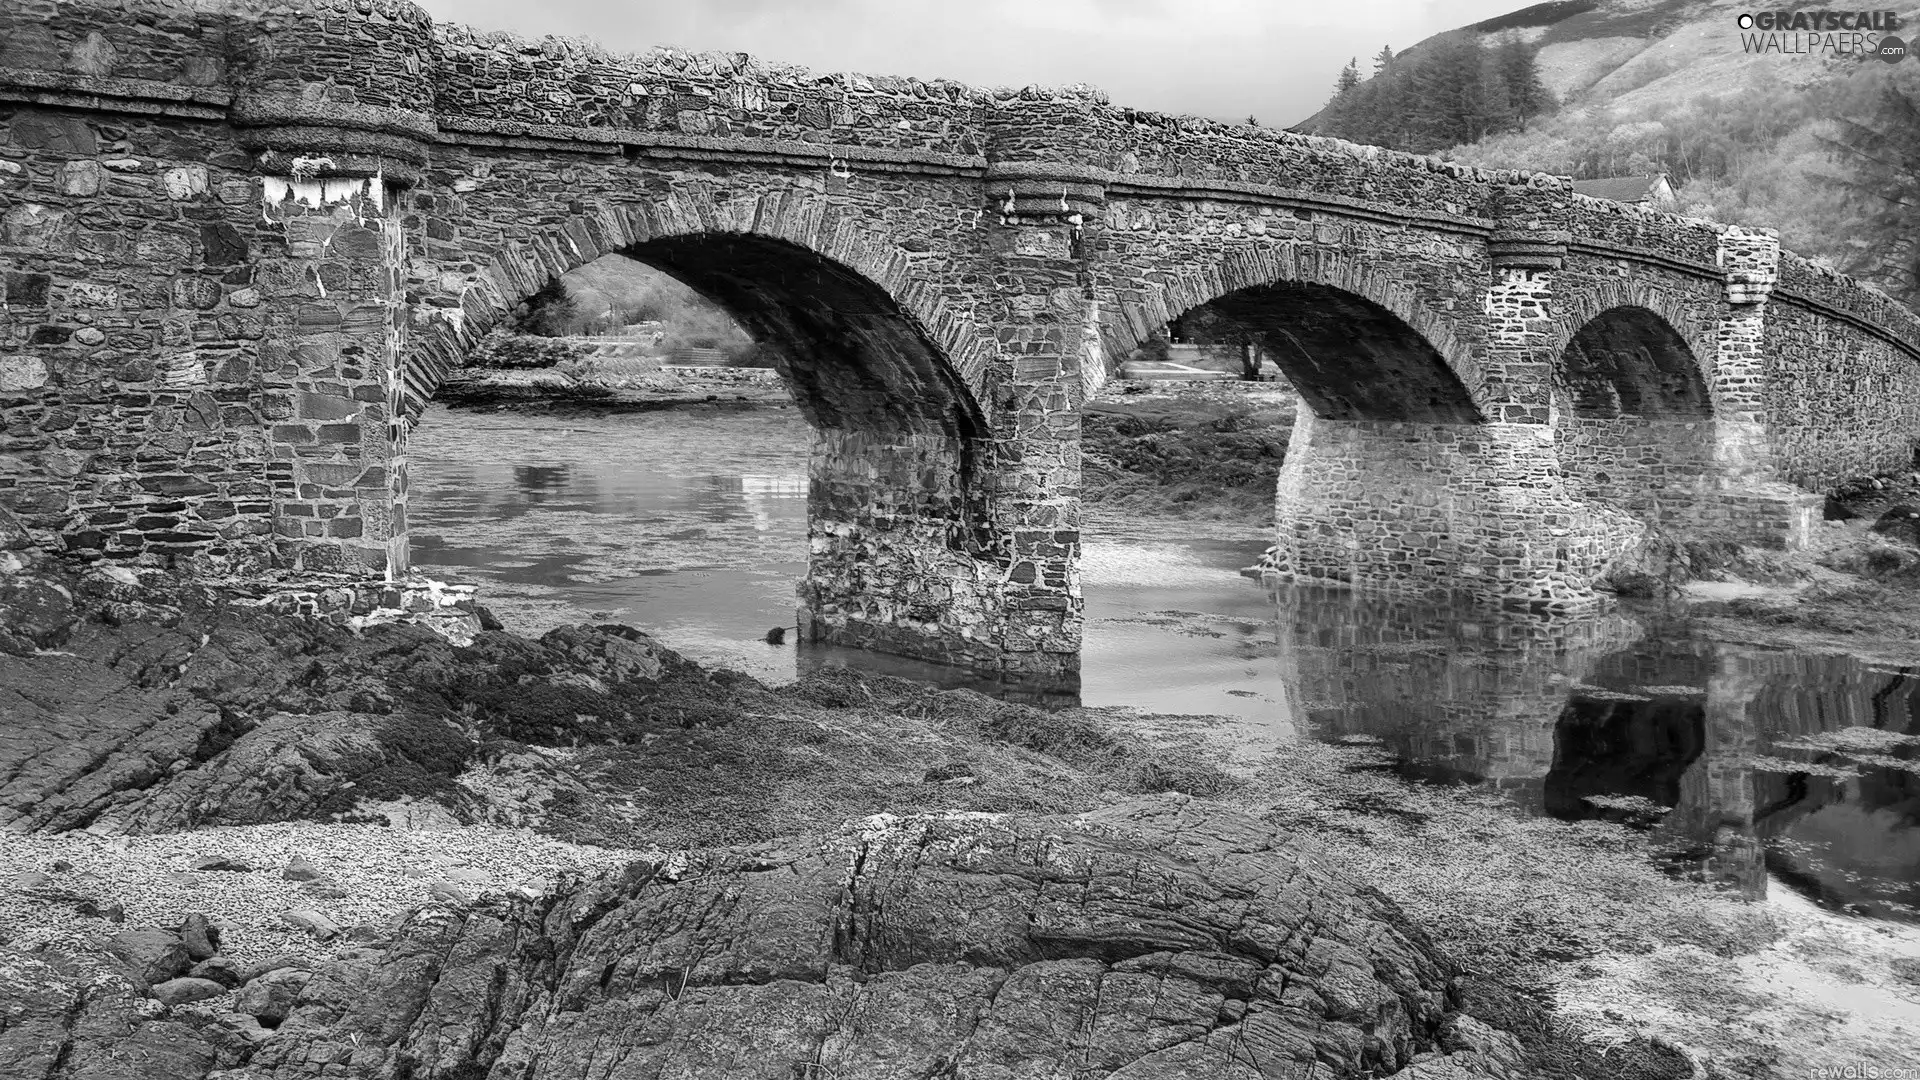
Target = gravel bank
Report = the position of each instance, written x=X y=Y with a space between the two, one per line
x=382 y=872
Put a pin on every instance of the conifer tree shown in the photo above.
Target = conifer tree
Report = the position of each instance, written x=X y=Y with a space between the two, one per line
x=1349 y=78
x=1519 y=68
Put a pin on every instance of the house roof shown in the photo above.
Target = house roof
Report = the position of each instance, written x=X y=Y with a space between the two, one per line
x=1627 y=189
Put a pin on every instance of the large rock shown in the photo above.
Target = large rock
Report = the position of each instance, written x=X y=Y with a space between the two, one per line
x=201 y=938
x=1901 y=522
x=34 y=613
x=64 y=1016
x=271 y=996
x=1155 y=940
x=150 y=953
x=186 y=989
x=218 y=969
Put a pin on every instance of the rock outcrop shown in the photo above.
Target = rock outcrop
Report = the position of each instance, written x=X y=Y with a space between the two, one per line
x=165 y=709
x=1152 y=939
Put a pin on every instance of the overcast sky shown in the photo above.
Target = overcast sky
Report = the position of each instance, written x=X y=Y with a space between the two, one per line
x=1272 y=59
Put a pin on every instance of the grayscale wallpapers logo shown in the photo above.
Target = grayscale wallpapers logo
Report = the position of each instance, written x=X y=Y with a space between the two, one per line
x=1823 y=33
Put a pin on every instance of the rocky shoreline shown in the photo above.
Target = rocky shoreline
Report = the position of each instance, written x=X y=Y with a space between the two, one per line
x=226 y=826
x=371 y=851
x=219 y=793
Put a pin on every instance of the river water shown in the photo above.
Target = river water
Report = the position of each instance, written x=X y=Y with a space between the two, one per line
x=1748 y=766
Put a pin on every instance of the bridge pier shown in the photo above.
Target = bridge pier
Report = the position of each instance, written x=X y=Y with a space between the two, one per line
x=1441 y=508
x=1466 y=504
x=1753 y=501
x=908 y=556
x=329 y=385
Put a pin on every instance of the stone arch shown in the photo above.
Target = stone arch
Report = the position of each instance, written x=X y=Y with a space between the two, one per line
x=1627 y=348
x=1398 y=337
x=865 y=286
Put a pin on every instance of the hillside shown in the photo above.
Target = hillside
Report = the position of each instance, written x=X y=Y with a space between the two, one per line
x=1644 y=86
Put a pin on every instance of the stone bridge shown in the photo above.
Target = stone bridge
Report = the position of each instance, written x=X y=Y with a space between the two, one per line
x=241 y=244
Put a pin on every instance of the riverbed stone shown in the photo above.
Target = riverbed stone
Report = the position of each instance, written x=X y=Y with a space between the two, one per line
x=187 y=989
x=270 y=996
x=312 y=922
x=299 y=868
x=201 y=939
x=152 y=954
x=219 y=969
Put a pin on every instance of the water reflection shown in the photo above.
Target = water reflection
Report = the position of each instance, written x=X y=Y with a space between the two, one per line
x=1746 y=766
x=1742 y=763
x=536 y=480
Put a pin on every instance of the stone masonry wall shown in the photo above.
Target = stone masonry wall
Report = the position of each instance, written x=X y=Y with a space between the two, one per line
x=1432 y=509
x=1662 y=471
x=137 y=273
x=241 y=245
x=889 y=534
x=1838 y=401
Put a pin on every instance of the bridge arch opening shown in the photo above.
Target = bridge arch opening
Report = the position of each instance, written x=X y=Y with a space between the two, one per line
x=1635 y=425
x=875 y=507
x=852 y=356
x=1628 y=361
x=1349 y=357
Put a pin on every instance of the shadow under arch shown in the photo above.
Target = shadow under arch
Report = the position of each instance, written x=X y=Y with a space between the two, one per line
x=1348 y=357
x=783 y=251
x=1636 y=425
x=851 y=356
x=1357 y=342
x=1628 y=360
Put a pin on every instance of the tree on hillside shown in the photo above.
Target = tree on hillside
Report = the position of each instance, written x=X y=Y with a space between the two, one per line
x=1349 y=77
x=1880 y=142
x=1458 y=96
x=1519 y=68
x=550 y=312
x=1452 y=90
x=1381 y=59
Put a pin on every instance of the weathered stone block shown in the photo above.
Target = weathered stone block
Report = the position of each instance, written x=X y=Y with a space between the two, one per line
x=22 y=372
x=222 y=245
x=325 y=406
x=80 y=178
x=37 y=228
x=59 y=133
